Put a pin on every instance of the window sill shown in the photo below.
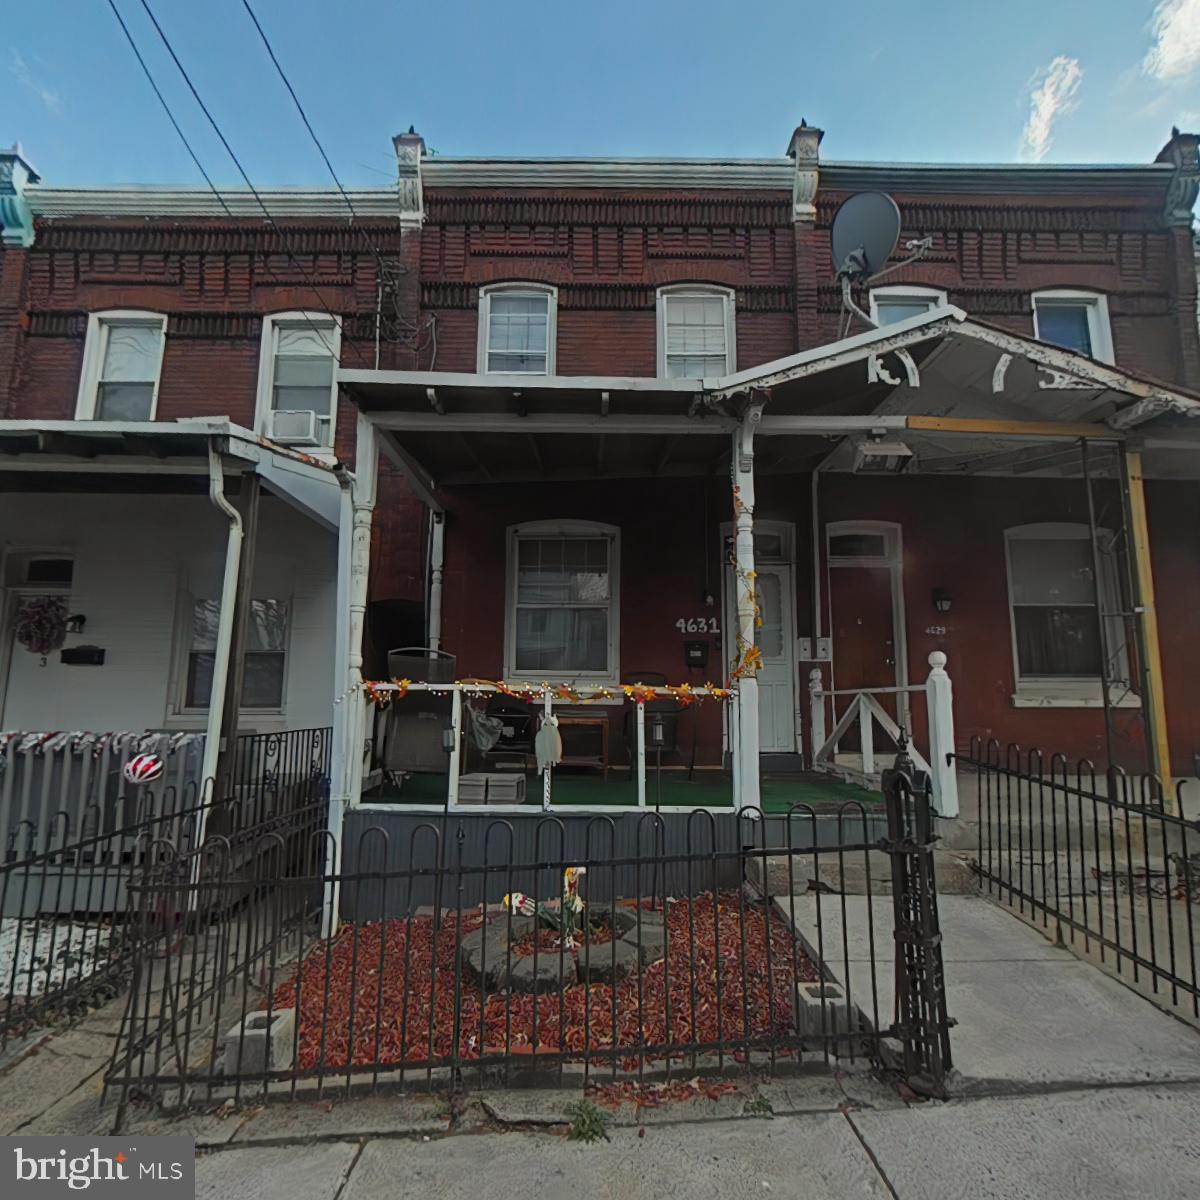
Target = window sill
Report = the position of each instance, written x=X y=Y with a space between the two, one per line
x=1048 y=699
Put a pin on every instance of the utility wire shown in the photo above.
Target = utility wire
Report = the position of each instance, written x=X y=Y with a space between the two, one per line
x=385 y=271
x=166 y=107
x=242 y=171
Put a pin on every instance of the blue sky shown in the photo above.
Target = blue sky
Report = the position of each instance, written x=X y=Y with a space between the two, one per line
x=1039 y=80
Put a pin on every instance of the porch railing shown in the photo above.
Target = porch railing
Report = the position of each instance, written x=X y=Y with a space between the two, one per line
x=546 y=699
x=864 y=712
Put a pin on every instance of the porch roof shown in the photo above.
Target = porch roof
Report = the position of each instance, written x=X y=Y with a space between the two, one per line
x=955 y=387
x=145 y=455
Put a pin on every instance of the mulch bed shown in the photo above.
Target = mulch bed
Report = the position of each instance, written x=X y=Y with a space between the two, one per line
x=383 y=992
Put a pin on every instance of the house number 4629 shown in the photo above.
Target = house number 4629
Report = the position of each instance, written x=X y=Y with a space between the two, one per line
x=697 y=625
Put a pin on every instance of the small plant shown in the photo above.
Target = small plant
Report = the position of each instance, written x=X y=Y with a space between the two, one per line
x=588 y=1123
x=758 y=1106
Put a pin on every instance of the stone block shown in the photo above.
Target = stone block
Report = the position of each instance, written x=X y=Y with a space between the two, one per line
x=651 y=942
x=607 y=963
x=260 y=1042
x=541 y=974
x=821 y=1010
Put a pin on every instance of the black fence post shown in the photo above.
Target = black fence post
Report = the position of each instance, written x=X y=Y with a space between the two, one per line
x=922 y=1021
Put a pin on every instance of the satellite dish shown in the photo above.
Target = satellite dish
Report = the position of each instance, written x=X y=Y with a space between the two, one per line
x=865 y=231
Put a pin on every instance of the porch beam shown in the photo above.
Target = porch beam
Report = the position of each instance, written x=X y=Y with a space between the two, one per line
x=426 y=422
x=419 y=479
x=1017 y=429
x=1139 y=532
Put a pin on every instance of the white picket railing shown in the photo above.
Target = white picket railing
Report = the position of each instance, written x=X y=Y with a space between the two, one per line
x=865 y=711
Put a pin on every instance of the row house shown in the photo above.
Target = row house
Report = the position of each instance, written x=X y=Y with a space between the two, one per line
x=527 y=437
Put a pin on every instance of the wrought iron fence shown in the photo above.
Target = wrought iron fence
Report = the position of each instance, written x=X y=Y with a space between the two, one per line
x=1108 y=861
x=65 y=939
x=460 y=968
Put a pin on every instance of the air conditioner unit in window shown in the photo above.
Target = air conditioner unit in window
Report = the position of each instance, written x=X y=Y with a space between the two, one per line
x=295 y=427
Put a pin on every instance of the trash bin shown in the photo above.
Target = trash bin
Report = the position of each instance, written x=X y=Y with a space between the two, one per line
x=414 y=739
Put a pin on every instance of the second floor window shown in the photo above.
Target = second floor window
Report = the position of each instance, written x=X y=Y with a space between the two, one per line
x=517 y=329
x=695 y=332
x=1074 y=320
x=297 y=393
x=892 y=304
x=122 y=360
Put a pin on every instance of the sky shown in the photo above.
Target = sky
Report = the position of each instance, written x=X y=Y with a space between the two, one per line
x=930 y=80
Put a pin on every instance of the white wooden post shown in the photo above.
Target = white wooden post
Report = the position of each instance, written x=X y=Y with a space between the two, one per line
x=742 y=473
x=866 y=736
x=940 y=701
x=547 y=784
x=641 y=754
x=733 y=716
x=816 y=714
x=456 y=748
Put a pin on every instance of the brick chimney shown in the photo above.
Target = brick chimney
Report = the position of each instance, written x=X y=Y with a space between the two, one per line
x=410 y=151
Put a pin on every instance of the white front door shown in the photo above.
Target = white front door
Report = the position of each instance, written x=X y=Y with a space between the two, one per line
x=775 y=637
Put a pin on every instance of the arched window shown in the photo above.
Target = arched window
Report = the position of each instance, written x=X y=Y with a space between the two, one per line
x=1058 y=650
x=696 y=335
x=297 y=386
x=517 y=326
x=1075 y=320
x=122 y=362
x=563 y=601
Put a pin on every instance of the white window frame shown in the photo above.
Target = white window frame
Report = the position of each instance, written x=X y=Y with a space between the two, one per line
x=94 y=347
x=331 y=331
x=178 y=708
x=610 y=677
x=934 y=297
x=1064 y=691
x=517 y=289
x=1099 y=327
x=707 y=290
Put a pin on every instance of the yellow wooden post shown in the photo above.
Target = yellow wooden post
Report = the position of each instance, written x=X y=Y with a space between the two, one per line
x=1160 y=751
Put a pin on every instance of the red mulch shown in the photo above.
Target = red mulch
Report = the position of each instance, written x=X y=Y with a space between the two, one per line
x=404 y=1012
x=548 y=942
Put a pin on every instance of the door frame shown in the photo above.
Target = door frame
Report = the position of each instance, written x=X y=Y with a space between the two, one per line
x=729 y=618
x=893 y=560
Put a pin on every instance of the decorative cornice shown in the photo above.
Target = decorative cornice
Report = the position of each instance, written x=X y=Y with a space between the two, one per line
x=211 y=326
x=597 y=208
x=234 y=238
x=16 y=177
x=743 y=174
x=1025 y=179
x=442 y=294
x=155 y=201
x=964 y=217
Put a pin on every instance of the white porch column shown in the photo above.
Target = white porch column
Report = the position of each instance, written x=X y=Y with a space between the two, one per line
x=437 y=554
x=351 y=710
x=745 y=746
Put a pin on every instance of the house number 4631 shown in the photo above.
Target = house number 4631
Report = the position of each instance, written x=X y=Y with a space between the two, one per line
x=697 y=625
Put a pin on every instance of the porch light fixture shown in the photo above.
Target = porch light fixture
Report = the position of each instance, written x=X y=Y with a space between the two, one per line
x=76 y=623
x=877 y=457
x=941 y=600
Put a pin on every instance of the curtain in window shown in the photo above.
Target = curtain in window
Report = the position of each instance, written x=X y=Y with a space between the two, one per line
x=695 y=329
x=518 y=333
x=563 y=605
x=1054 y=610
x=129 y=372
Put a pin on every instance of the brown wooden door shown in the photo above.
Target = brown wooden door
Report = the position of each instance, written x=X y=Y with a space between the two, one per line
x=864 y=651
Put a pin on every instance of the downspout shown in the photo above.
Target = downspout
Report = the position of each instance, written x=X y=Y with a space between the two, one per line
x=344 y=716
x=225 y=621
x=437 y=550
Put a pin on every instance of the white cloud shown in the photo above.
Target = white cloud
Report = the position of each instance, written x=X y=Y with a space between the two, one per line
x=1176 y=50
x=20 y=70
x=1052 y=93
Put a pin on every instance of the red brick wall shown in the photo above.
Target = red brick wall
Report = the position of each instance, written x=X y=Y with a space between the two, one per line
x=665 y=536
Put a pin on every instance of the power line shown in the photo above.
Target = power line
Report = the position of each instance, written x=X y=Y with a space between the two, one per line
x=385 y=271
x=166 y=107
x=242 y=171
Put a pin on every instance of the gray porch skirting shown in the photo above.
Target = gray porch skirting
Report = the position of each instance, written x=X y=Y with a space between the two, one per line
x=396 y=862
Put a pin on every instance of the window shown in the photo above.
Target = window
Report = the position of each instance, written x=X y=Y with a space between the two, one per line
x=1052 y=601
x=266 y=654
x=563 y=593
x=1074 y=320
x=892 y=304
x=297 y=391
x=695 y=332
x=517 y=329
x=122 y=360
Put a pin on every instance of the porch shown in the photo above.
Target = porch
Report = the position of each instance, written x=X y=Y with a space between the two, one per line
x=832 y=572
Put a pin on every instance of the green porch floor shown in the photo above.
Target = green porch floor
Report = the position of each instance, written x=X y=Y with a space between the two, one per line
x=706 y=789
